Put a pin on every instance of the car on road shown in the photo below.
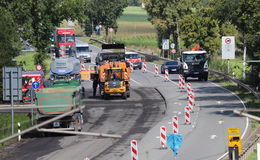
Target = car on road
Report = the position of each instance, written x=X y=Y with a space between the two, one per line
x=83 y=52
x=134 y=58
x=173 y=66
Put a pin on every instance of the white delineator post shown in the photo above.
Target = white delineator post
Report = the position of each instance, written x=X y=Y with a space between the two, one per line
x=19 y=131
x=163 y=136
x=134 y=150
x=144 y=67
x=156 y=69
x=175 y=124
x=166 y=76
x=258 y=151
x=187 y=115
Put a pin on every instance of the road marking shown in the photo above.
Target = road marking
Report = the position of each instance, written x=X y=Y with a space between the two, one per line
x=220 y=122
x=219 y=102
x=136 y=82
x=213 y=136
x=247 y=120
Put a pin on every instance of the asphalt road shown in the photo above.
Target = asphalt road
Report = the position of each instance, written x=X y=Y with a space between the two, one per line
x=140 y=118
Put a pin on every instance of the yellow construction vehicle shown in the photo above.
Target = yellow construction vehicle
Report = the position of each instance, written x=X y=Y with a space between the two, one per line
x=114 y=78
x=113 y=71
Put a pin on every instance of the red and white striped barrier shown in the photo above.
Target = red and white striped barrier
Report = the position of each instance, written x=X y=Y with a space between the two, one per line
x=180 y=81
x=166 y=76
x=163 y=137
x=131 y=67
x=156 y=70
x=144 y=67
x=187 y=115
x=188 y=89
x=83 y=68
x=134 y=150
x=191 y=100
x=175 y=124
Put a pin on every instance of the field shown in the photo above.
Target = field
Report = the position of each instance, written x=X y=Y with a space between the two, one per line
x=135 y=30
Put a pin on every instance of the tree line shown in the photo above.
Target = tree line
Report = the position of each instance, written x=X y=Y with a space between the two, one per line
x=204 y=22
x=33 y=22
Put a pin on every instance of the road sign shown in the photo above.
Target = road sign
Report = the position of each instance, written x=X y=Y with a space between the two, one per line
x=234 y=130
x=228 y=47
x=39 y=67
x=35 y=85
x=12 y=83
x=97 y=27
x=234 y=138
x=173 y=50
x=172 y=45
x=165 y=44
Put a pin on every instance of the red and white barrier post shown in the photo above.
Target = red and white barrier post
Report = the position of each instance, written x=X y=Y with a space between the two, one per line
x=175 y=125
x=187 y=115
x=131 y=67
x=188 y=89
x=166 y=76
x=134 y=150
x=156 y=70
x=83 y=66
x=191 y=100
x=163 y=137
x=144 y=67
x=183 y=83
x=180 y=81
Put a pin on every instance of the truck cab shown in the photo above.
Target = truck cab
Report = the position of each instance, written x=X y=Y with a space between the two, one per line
x=195 y=64
x=83 y=53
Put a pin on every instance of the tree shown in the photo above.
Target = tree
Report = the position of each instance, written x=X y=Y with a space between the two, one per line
x=105 y=12
x=165 y=15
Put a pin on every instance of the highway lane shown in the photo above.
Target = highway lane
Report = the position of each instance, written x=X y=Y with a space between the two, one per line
x=140 y=118
x=206 y=138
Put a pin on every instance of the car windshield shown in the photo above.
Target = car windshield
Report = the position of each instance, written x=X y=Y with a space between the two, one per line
x=194 y=57
x=132 y=56
x=66 y=38
x=82 y=49
x=171 y=63
x=114 y=74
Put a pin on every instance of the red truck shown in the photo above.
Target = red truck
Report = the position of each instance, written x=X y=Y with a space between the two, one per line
x=64 y=40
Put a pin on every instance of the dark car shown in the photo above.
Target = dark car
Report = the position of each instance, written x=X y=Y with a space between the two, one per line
x=172 y=66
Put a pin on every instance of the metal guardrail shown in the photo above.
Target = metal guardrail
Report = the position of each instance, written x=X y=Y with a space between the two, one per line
x=237 y=82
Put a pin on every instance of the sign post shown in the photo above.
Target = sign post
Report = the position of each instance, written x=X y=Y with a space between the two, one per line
x=228 y=48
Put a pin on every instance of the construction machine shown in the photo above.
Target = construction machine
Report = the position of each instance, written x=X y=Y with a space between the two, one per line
x=113 y=71
x=114 y=78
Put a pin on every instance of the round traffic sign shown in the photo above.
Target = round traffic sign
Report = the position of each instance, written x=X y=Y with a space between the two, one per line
x=35 y=84
x=38 y=67
x=227 y=40
x=172 y=45
x=173 y=50
x=97 y=27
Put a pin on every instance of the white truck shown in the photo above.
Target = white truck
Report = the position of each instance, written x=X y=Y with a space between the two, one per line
x=83 y=53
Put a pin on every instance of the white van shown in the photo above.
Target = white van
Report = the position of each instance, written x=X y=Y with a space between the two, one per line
x=83 y=52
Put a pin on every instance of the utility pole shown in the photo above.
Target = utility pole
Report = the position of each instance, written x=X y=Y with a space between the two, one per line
x=244 y=64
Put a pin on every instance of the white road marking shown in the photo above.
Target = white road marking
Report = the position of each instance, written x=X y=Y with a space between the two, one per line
x=213 y=136
x=136 y=82
x=220 y=122
x=219 y=102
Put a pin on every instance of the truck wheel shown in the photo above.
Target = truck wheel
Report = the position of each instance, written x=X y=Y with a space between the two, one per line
x=200 y=78
x=106 y=96
x=205 y=78
x=124 y=95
